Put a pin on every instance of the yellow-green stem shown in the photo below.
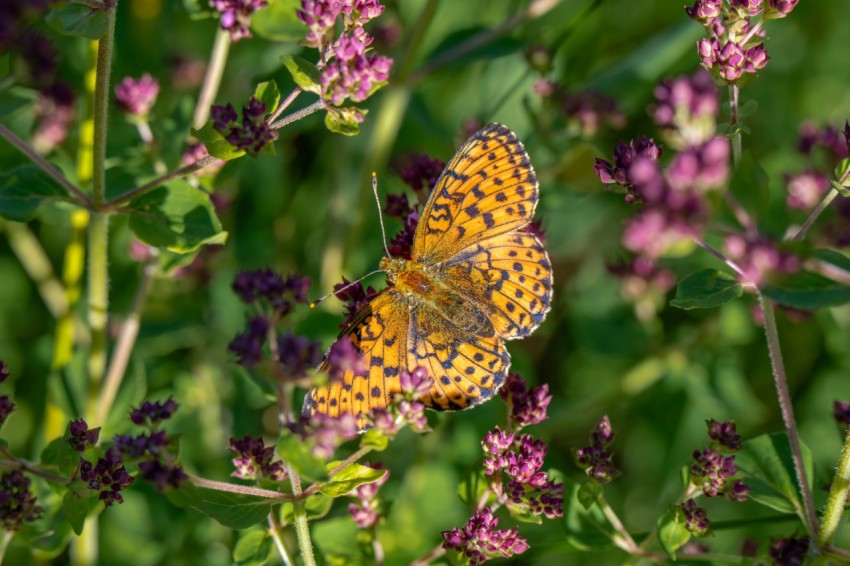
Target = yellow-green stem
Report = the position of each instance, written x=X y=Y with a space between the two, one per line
x=212 y=80
x=299 y=517
x=837 y=496
x=98 y=276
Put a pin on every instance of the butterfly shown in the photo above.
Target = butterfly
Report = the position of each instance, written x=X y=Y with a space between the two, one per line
x=475 y=279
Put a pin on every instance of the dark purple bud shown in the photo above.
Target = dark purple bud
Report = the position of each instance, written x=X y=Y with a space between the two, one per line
x=841 y=412
x=724 y=434
x=162 y=475
x=154 y=412
x=704 y=10
x=415 y=384
x=776 y=9
x=604 y=433
x=298 y=355
x=402 y=243
x=738 y=491
x=790 y=551
x=17 y=503
x=253 y=459
x=248 y=346
x=7 y=407
x=746 y=8
x=344 y=356
x=108 y=476
x=497 y=442
x=527 y=405
x=236 y=16
x=81 y=436
x=420 y=171
x=696 y=520
x=356 y=296
x=223 y=117
x=397 y=206
x=846 y=133
x=479 y=540
x=4 y=371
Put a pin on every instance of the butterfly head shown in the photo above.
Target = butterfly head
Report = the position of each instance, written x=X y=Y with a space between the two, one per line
x=392 y=266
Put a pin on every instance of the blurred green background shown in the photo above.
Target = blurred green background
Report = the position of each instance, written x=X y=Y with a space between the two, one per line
x=308 y=209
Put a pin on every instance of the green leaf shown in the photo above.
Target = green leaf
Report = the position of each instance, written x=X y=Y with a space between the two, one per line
x=177 y=217
x=832 y=257
x=707 y=288
x=749 y=186
x=268 y=94
x=76 y=510
x=297 y=453
x=348 y=478
x=522 y=513
x=304 y=73
x=233 y=510
x=79 y=20
x=841 y=171
x=808 y=291
x=215 y=143
x=254 y=547
x=500 y=47
x=278 y=21
x=374 y=439
x=345 y=121
x=586 y=529
x=472 y=487
x=317 y=506
x=15 y=100
x=672 y=533
x=768 y=470
x=61 y=455
x=23 y=189
x=588 y=493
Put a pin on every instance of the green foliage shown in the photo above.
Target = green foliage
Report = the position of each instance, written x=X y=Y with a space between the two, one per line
x=705 y=289
x=24 y=189
x=769 y=471
x=234 y=510
x=78 y=20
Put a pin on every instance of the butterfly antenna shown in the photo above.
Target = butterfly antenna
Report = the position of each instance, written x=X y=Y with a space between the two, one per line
x=380 y=212
x=343 y=288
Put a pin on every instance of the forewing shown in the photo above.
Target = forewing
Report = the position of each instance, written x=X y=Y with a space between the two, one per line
x=488 y=188
x=466 y=370
x=380 y=332
x=510 y=275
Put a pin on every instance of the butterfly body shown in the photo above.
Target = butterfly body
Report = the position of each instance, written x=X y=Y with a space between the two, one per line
x=476 y=279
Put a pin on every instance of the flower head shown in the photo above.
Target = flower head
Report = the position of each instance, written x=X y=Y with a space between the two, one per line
x=725 y=434
x=353 y=73
x=248 y=346
x=17 y=503
x=236 y=16
x=696 y=519
x=841 y=412
x=759 y=258
x=319 y=16
x=327 y=433
x=252 y=134
x=136 y=96
x=298 y=354
x=252 y=459
x=789 y=551
x=420 y=171
x=366 y=510
x=344 y=356
x=479 y=540
x=596 y=460
x=776 y=9
x=108 y=476
x=81 y=436
x=687 y=105
x=162 y=474
x=282 y=293
x=527 y=405
x=805 y=189
x=357 y=298
x=154 y=413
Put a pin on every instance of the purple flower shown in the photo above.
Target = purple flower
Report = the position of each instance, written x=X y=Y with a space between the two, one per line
x=776 y=9
x=367 y=509
x=479 y=540
x=281 y=293
x=420 y=171
x=705 y=10
x=655 y=231
x=360 y=12
x=326 y=433
x=248 y=346
x=729 y=61
x=827 y=138
x=759 y=258
x=739 y=491
x=357 y=298
x=344 y=356
x=236 y=16
x=298 y=354
x=4 y=371
x=7 y=407
x=696 y=520
x=415 y=384
x=55 y=115
x=711 y=471
x=688 y=105
x=154 y=413
x=253 y=459
x=397 y=206
x=197 y=151
x=596 y=460
x=790 y=551
x=841 y=412
x=353 y=73
x=701 y=167
x=81 y=436
x=545 y=498
x=625 y=156
x=136 y=96
x=413 y=413
x=252 y=134
x=755 y=58
x=527 y=405
x=805 y=189
x=17 y=503
x=725 y=434
x=590 y=110
x=162 y=475
x=746 y=8
x=402 y=243
x=108 y=476
x=319 y=17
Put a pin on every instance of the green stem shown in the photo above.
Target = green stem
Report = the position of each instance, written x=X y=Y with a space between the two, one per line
x=159 y=181
x=124 y=344
x=825 y=202
x=302 y=530
x=733 y=121
x=809 y=517
x=837 y=496
x=98 y=291
x=101 y=108
x=273 y=496
x=621 y=537
x=4 y=544
x=212 y=80
x=304 y=112
x=280 y=544
x=35 y=262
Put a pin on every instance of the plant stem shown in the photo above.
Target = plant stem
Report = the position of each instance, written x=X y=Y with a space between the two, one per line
x=240 y=489
x=772 y=334
x=622 y=538
x=35 y=262
x=74 y=265
x=124 y=344
x=302 y=530
x=359 y=453
x=297 y=115
x=98 y=275
x=159 y=181
x=212 y=80
x=280 y=544
x=101 y=108
x=80 y=197
x=733 y=121
x=825 y=202
x=285 y=104
x=837 y=496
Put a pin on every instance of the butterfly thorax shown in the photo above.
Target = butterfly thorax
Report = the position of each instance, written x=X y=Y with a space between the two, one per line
x=424 y=287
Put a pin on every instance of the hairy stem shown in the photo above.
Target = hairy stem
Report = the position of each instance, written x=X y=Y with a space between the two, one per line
x=101 y=108
x=837 y=496
x=212 y=80
x=621 y=538
x=285 y=104
x=822 y=205
x=787 y=409
x=279 y=543
x=240 y=489
x=297 y=115
x=98 y=292
x=80 y=198
x=159 y=181
x=124 y=344
x=302 y=530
